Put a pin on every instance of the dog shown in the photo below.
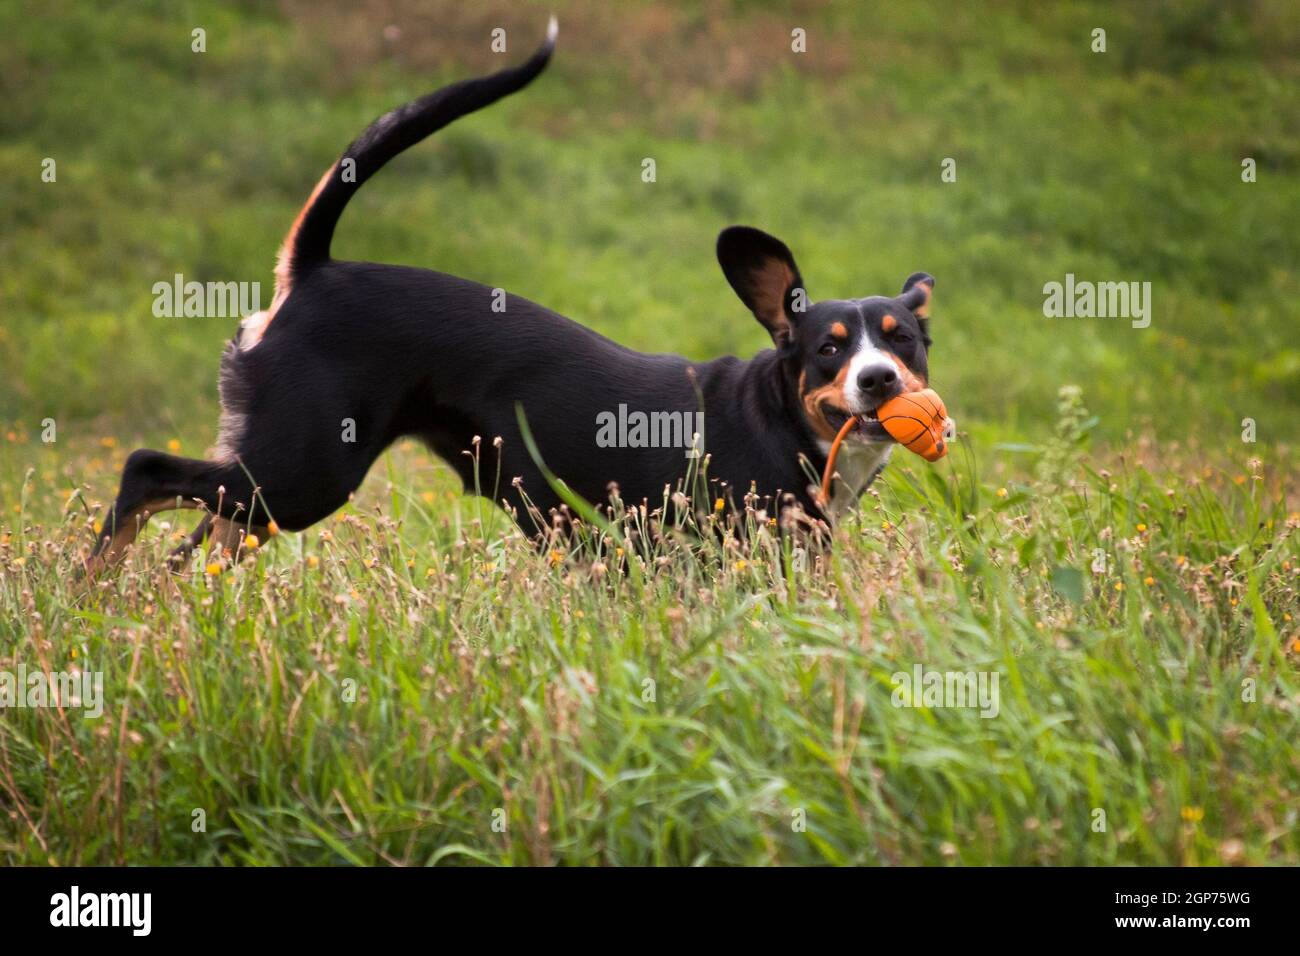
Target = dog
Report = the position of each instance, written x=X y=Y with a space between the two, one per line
x=350 y=356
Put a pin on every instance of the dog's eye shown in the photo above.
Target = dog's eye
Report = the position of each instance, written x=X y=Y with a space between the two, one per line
x=830 y=348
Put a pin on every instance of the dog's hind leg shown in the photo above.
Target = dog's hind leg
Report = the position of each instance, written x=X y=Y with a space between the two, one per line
x=152 y=482
x=181 y=553
x=224 y=534
x=228 y=534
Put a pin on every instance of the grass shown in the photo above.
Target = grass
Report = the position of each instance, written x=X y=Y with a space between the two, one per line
x=413 y=683
x=204 y=160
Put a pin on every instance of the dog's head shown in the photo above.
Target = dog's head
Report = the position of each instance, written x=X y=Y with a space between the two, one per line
x=846 y=356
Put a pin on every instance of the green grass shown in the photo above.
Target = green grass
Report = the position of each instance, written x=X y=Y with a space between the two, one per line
x=1124 y=165
x=376 y=689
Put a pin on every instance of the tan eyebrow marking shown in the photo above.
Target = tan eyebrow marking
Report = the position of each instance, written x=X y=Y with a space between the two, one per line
x=839 y=331
x=889 y=323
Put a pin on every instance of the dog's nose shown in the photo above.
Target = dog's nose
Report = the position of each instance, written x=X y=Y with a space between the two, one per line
x=878 y=384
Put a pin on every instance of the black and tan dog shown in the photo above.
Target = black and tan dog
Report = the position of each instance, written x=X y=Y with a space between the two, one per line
x=352 y=350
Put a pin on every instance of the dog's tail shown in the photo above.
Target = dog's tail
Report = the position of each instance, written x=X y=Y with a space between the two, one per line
x=308 y=242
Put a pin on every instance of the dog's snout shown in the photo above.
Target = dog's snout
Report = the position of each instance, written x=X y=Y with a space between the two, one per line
x=878 y=384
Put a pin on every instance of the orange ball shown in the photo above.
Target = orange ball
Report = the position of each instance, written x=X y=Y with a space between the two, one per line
x=916 y=420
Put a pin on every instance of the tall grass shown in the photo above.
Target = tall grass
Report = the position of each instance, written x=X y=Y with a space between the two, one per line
x=412 y=682
x=415 y=683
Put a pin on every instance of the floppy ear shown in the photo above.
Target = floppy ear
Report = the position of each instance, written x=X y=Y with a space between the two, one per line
x=762 y=271
x=916 y=297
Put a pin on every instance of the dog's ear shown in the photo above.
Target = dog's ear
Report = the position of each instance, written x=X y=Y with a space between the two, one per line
x=762 y=271
x=915 y=297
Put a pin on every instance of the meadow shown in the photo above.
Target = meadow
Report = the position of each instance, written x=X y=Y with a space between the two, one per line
x=412 y=682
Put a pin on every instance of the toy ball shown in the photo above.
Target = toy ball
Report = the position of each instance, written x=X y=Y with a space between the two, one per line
x=918 y=421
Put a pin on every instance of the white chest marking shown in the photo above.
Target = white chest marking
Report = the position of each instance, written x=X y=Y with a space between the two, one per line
x=855 y=466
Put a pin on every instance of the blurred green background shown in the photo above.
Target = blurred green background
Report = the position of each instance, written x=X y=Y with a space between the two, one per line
x=1116 y=166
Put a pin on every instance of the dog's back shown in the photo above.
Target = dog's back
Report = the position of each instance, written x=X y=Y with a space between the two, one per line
x=350 y=356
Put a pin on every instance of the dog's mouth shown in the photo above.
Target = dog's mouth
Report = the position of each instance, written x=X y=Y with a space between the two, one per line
x=867 y=429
